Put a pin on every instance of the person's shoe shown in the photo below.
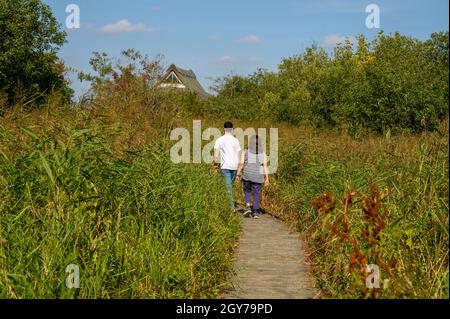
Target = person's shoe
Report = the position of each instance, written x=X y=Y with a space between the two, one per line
x=247 y=211
x=255 y=213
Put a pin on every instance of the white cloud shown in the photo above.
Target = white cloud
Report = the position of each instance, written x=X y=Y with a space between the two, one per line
x=250 y=39
x=126 y=26
x=333 y=40
x=87 y=26
x=227 y=59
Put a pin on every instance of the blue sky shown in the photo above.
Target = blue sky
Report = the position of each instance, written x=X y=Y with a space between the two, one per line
x=217 y=37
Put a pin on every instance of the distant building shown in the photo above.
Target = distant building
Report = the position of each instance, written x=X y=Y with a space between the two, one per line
x=178 y=78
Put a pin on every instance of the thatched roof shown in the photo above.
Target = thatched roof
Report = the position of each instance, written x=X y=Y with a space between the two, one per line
x=183 y=79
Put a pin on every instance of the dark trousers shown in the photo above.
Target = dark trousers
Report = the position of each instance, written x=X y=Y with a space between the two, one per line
x=256 y=188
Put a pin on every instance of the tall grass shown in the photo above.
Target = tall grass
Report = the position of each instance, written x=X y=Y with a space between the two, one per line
x=97 y=189
x=375 y=200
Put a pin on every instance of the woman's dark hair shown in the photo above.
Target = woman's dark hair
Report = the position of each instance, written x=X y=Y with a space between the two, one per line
x=254 y=145
x=228 y=125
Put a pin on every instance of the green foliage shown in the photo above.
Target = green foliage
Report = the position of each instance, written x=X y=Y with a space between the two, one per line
x=29 y=39
x=237 y=95
x=392 y=83
x=411 y=174
x=137 y=225
x=131 y=67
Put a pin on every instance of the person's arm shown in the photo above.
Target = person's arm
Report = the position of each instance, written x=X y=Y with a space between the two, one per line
x=241 y=165
x=216 y=159
x=266 y=171
x=216 y=156
x=239 y=152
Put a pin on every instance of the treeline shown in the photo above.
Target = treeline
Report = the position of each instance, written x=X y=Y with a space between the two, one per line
x=392 y=83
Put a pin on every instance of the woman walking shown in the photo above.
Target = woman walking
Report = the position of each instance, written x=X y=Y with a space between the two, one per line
x=254 y=172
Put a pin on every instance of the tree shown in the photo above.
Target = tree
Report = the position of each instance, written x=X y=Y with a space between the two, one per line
x=393 y=82
x=30 y=37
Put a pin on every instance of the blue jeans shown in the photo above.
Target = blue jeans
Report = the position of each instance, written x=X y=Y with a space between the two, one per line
x=229 y=176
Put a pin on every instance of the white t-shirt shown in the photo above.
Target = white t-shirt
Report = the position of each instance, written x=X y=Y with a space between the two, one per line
x=229 y=148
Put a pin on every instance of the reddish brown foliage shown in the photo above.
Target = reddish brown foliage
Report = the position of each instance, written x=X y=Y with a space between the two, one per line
x=366 y=247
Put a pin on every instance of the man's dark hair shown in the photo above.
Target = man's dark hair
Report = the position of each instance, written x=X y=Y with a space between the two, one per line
x=228 y=125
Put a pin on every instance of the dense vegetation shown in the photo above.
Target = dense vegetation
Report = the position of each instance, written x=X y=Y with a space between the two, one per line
x=392 y=83
x=97 y=189
x=356 y=176
x=363 y=169
x=378 y=200
x=92 y=184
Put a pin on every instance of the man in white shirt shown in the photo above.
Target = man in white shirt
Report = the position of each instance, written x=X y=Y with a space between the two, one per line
x=227 y=150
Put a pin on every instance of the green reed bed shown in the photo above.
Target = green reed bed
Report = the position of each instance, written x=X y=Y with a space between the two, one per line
x=136 y=225
x=375 y=200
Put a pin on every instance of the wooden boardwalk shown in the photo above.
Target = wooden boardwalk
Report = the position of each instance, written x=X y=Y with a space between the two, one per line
x=270 y=263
